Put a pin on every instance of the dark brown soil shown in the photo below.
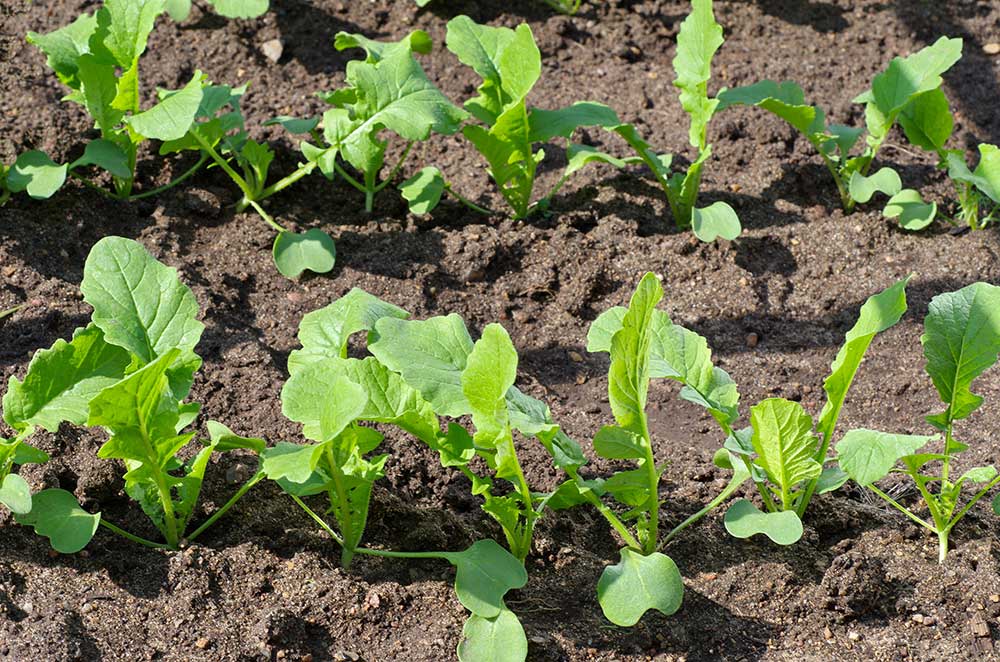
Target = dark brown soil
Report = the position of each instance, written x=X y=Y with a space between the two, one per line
x=265 y=583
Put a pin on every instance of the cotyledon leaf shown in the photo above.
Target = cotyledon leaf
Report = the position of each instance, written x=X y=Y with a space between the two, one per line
x=57 y=515
x=743 y=520
x=638 y=583
x=497 y=639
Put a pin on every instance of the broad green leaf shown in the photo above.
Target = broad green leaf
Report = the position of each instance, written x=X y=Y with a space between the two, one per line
x=99 y=89
x=485 y=572
x=294 y=124
x=490 y=371
x=173 y=116
x=977 y=475
x=683 y=355
x=63 y=47
x=124 y=27
x=698 y=40
x=295 y=253
x=62 y=380
x=15 y=494
x=880 y=312
x=961 y=340
x=628 y=376
x=324 y=333
x=507 y=60
x=179 y=10
x=25 y=454
x=785 y=99
x=548 y=124
x=616 y=443
x=987 y=173
x=743 y=519
x=57 y=515
x=928 y=121
x=497 y=639
x=423 y=191
x=603 y=329
x=323 y=408
x=631 y=487
x=579 y=156
x=240 y=8
x=868 y=455
x=37 y=174
x=104 y=154
x=831 y=479
x=842 y=138
x=294 y=463
x=572 y=493
x=430 y=355
x=913 y=213
x=224 y=439
x=417 y=41
x=784 y=442
x=718 y=220
x=884 y=181
x=139 y=303
x=637 y=584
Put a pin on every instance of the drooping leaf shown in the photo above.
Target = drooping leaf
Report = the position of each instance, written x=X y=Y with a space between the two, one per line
x=718 y=220
x=417 y=41
x=104 y=154
x=63 y=47
x=485 y=572
x=911 y=210
x=699 y=38
x=224 y=439
x=297 y=252
x=868 y=455
x=498 y=639
x=637 y=584
x=743 y=520
x=832 y=478
x=549 y=124
x=885 y=181
x=423 y=191
x=784 y=442
x=15 y=494
x=291 y=463
x=173 y=116
x=57 y=515
x=37 y=174
x=785 y=99
x=490 y=370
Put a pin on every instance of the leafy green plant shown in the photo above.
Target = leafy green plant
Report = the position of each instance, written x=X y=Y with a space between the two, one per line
x=509 y=63
x=97 y=57
x=699 y=38
x=908 y=84
x=180 y=9
x=128 y=372
x=961 y=341
x=978 y=190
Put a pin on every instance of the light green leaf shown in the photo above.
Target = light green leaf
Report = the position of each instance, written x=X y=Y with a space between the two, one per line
x=603 y=329
x=417 y=41
x=785 y=99
x=99 y=86
x=240 y=8
x=485 y=572
x=56 y=515
x=579 y=156
x=715 y=221
x=294 y=463
x=884 y=181
x=491 y=370
x=37 y=174
x=961 y=340
x=497 y=639
x=616 y=443
x=784 y=442
x=868 y=455
x=977 y=475
x=63 y=47
x=224 y=439
x=139 y=303
x=324 y=409
x=104 y=154
x=423 y=191
x=548 y=124
x=15 y=494
x=743 y=519
x=683 y=355
x=928 y=121
x=628 y=376
x=913 y=213
x=173 y=116
x=698 y=40
x=637 y=584
x=63 y=379
x=294 y=124
x=125 y=25
x=179 y=10
x=295 y=253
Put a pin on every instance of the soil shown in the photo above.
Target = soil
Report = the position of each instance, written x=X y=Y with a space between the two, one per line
x=265 y=584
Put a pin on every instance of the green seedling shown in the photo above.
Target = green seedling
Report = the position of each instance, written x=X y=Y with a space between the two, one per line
x=128 y=372
x=179 y=10
x=961 y=340
x=34 y=173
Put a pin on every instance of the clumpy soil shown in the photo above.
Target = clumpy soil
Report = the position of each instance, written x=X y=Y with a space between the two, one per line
x=265 y=583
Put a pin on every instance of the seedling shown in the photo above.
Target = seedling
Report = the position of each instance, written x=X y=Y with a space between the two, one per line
x=978 y=190
x=128 y=372
x=97 y=57
x=891 y=98
x=180 y=9
x=961 y=340
x=34 y=173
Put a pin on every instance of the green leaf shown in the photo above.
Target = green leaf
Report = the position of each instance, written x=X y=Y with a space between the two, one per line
x=498 y=639
x=124 y=27
x=324 y=409
x=485 y=572
x=579 y=156
x=15 y=494
x=324 y=333
x=785 y=99
x=297 y=252
x=603 y=329
x=961 y=340
x=928 y=121
x=173 y=116
x=63 y=47
x=629 y=487
x=107 y=155
x=139 y=303
x=831 y=479
x=884 y=181
x=507 y=60
x=99 y=86
x=977 y=475
x=417 y=41
x=62 y=380
x=698 y=40
x=240 y=8
x=294 y=124
x=37 y=174
x=996 y=505
x=628 y=376
x=56 y=515
x=423 y=191
x=491 y=369
x=880 y=312
x=715 y=221
x=784 y=442
x=430 y=355
x=179 y=10
x=294 y=463
x=913 y=213
x=637 y=584
x=867 y=455
x=224 y=439
x=743 y=519
x=616 y=443
x=25 y=454
x=549 y=124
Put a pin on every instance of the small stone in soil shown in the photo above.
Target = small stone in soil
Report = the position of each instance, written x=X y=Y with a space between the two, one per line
x=752 y=340
x=272 y=49
x=992 y=48
x=202 y=643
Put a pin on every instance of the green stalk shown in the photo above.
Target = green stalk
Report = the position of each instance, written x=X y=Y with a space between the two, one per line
x=346 y=525
x=156 y=191
x=222 y=163
x=524 y=545
x=609 y=515
x=653 y=504
x=288 y=180
x=465 y=201
x=319 y=520
x=130 y=536
x=903 y=509
x=277 y=227
x=229 y=504
x=714 y=503
x=347 y=177
x=369 y=191
x=399 y=164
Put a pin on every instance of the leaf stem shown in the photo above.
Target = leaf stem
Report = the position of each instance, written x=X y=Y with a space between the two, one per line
x=265 y=216
x=733 y=485
x=229 y=504
x=288 y=180
x=160 y=189
x=222 y=163
x=131 y=536
x=396 y=169
x=319 y=520
x=465 y=201
x=903 y=509
x=348 y=178
x=89 y=184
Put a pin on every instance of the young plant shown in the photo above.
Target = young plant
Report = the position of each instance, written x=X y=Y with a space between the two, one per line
x=699 y=38
x=510 y=64
x=891 y=98
x=34 y=173
x=97 y=57
x=961 y=340
x=128 y=372
x=180 y=9
x=978 y=190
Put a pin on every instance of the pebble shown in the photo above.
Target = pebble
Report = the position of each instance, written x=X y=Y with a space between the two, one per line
x=575 y=356
x=827 y=632
x=202 y=643
x=752 y=340
x=853 y=636
x=992 y=48
x=272 y=49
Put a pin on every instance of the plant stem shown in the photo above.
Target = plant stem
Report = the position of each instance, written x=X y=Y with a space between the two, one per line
x=130 y=536
x=319 y=520
x=714 y=503
x=903 y=509
x=344 y=515
x=979 y=495
x=89 y=184
x=266 y=217
x=222 y=163
x=942 y=545
x=465 y=201
x=229 y=504
x=524 y=545
x=653 y=502
x=288 y=180
x=347 y=177
x=609 y=515
x=369 y=191
x=395 y=170
x=160 y=189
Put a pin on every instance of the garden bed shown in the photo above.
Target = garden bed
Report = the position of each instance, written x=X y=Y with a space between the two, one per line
x=774 y=304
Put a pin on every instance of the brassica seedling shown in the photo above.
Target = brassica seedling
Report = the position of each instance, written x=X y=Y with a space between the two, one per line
x=893 y=97
x=97 y=57
x=568 y=7
x=128 y=372
x=961 y=341
x=978 y=190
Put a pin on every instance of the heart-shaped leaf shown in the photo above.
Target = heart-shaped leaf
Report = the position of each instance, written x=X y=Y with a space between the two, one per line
x=497 y=639
x=743 y=519
x=637 y=584
x=715 y=221
x=15 y=494
x=911 y=210
x=57 y=515
x=313 y=250
x=486 y=571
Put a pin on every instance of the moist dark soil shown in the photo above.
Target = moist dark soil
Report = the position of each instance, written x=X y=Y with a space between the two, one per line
x=265 y=583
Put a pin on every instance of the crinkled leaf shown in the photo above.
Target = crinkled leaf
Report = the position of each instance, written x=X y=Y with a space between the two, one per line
x=297 y=252
x=57 y=515
x=37 y=174
x=498 y=639
x=743 y=519
x=63 y=47
x=885 y=181
x=638 y=583
x=423 y=191
x=784 y=442
x=485 y=572
x=699 y=38
x=628 y=376
x=417 y=41
x=324 y=408
x=718 y=220
x=868 y=455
